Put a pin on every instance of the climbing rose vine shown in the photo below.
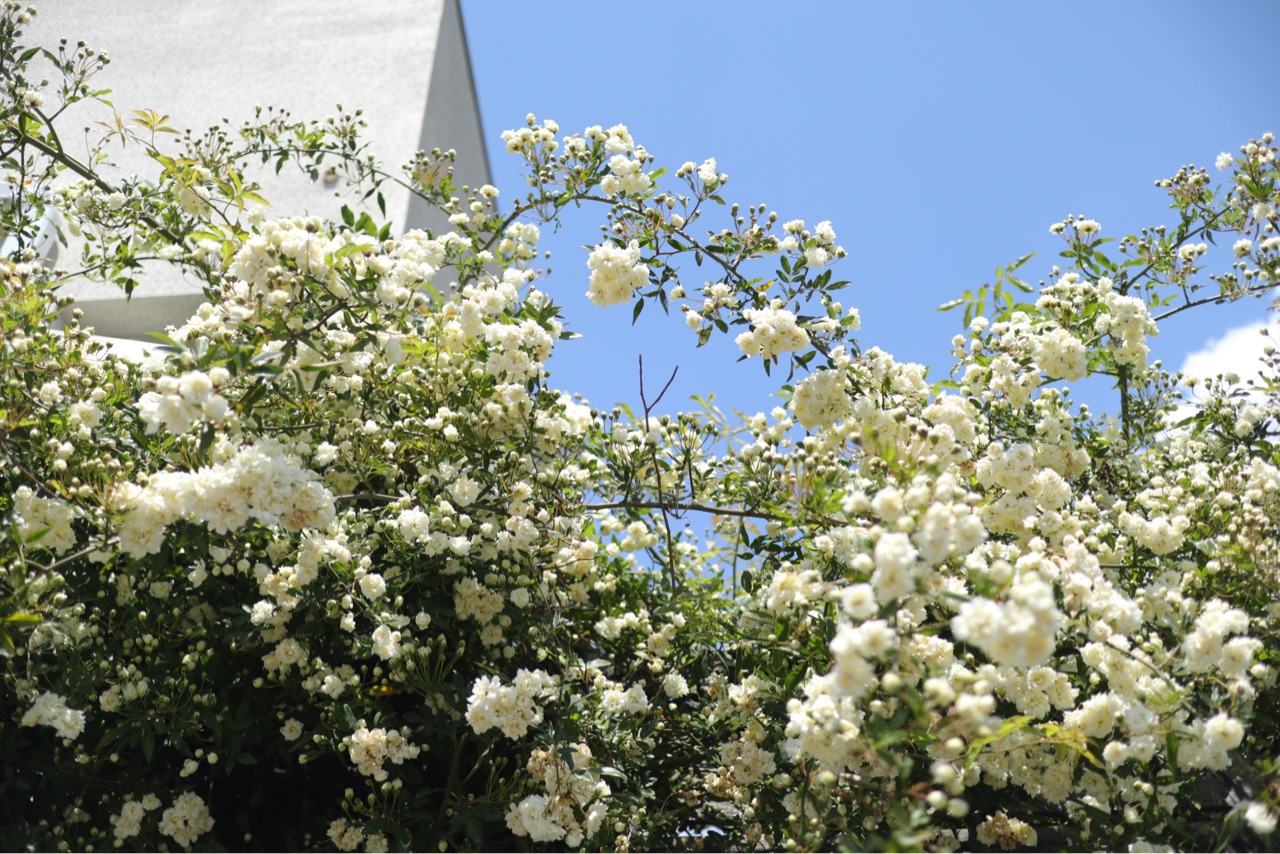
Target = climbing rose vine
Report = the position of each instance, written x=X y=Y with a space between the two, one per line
x=338 y=566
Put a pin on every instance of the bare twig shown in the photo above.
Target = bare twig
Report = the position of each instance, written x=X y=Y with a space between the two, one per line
x=657 y=472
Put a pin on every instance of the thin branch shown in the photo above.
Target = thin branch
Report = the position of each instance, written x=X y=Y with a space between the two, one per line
x=83 y=552
x=657 y=471
x=1257 y=289
x=375 y=496
x=85 y=172
x=681 y=506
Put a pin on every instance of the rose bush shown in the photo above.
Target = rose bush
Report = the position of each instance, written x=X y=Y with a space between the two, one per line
x=342 y=568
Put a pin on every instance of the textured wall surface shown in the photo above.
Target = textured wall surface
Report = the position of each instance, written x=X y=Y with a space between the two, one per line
x=404 y=62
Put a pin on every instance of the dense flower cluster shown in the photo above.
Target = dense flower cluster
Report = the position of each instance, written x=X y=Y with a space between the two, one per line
x=573 y=789
x=370 y=748
x=186 y=820
x=773 y=331
x=260 y=483
x=344 y=560
x=822 y=399
x=510 y=708
x=51 y=710
x=616 y=273
x=180 y=402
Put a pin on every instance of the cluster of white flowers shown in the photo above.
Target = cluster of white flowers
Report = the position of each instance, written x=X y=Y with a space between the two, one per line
x=1007 y=832
x=345 y=836
x=819 y=246
x=520 y=240
x=528 y=140
x=194 y=199
x=370 y=748
x=50 y=517
x=1061 y=355
x=517 y=351
x=1205 y=647
x=773 y=331
x=130 y=687
x=616 y=273
x=821 y=249
x=305 y=243
x=826 y=725
x=573 y=788
x=1079 y=224
x=1029 y=489
x=187 y=819
x=853 y=651
x=822 y=399
x=413 y=262
x=51 y=710
x=510 y=708
x=1162 y=535
x=675 y=686
x=626 y=176
x=1128 y=324
x=610 y=627
x=745 y=764
x=178 y=403
x=259 y=482
x=618 y=700
x=790 y=590
x=535 y=817
x=128 y=822
x=1210 y=742
x=745 y=761
x=896 y=566
x=1021 y=631
x=386 y=642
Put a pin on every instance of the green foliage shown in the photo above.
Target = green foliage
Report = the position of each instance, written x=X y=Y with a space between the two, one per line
x=340 y=566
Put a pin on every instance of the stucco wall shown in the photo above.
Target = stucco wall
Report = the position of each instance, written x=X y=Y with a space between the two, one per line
x=403 y=62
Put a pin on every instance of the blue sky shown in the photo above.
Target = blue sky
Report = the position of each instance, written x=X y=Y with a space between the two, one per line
x=941 y=140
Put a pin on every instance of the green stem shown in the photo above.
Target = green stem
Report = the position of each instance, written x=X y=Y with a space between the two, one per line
x=1123 y=385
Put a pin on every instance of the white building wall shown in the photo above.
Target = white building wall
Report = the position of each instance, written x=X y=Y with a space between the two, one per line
x=403 y=62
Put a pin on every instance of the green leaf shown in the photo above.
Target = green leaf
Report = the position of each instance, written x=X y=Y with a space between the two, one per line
x=206 y=440
x=167 y=341
x=1232 y=826
x=964 y=299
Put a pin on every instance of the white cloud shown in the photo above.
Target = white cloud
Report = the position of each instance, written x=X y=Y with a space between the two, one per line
x=1237 y=351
